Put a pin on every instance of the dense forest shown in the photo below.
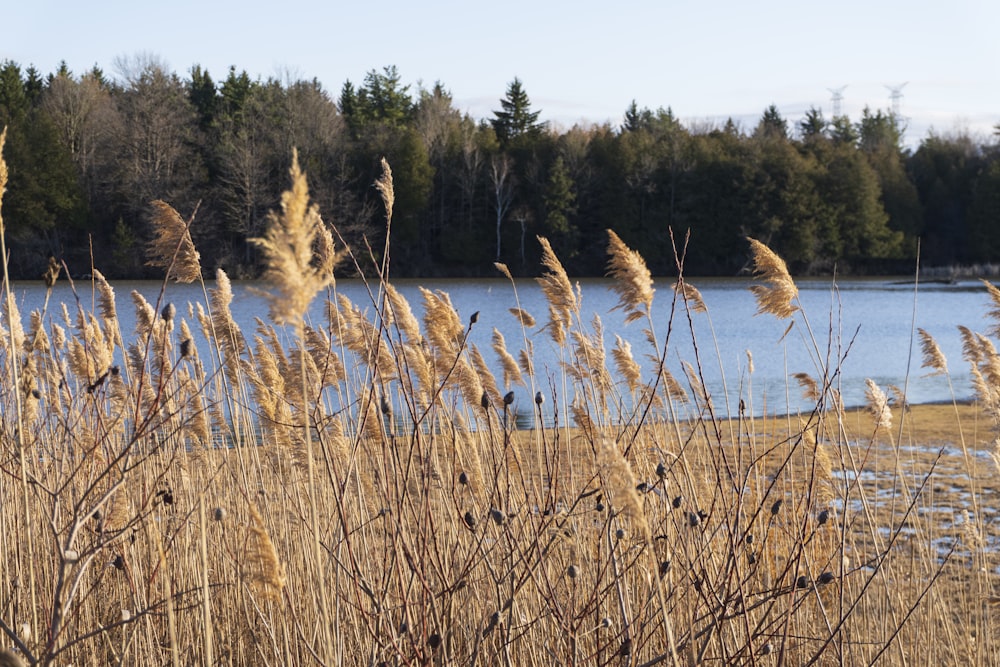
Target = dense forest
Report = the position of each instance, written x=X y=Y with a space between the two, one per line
x=88 y=154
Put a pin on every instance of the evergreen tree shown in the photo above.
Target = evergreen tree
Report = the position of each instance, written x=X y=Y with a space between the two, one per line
x=560 y=206
x=813 y=126
x=14 y=103
x=772 y=124
x=204 y=96
x=384 y=100
x=637 y=119
x=516 y=118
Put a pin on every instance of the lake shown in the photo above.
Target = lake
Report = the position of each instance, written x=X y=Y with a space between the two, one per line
x=869 y=322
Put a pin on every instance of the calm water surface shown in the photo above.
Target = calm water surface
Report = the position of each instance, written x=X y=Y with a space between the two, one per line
x=869 y=324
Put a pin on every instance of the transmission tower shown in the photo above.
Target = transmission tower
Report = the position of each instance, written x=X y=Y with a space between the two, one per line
x=838 y=95
x=895 y=95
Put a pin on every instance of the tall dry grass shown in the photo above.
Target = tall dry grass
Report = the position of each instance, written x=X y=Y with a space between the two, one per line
x=357 y=490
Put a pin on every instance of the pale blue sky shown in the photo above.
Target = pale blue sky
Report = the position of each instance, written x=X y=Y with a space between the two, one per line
x=580 y=61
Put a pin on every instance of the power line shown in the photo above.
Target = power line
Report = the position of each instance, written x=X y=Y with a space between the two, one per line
x=838 y=95
x=895 y=96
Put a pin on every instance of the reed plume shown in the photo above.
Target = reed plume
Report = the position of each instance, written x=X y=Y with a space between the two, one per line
x=633 y=282
x=172 y=248
x=511 y=372
x=933 y=358
x=563 y=303
x=971 y=350
x=3 y=171
x=626 y=364
x=267 y=572
x=402 y=314
x=620 y=483
x=288 y=247
x=445 y=329
x=994 y=312
x=386 y=190
x=523 y=316
x=692 y=297
x=810 y=388
x=777 y=296
x=878 y=405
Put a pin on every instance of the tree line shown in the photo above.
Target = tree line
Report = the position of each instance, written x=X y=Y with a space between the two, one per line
x=87 y=154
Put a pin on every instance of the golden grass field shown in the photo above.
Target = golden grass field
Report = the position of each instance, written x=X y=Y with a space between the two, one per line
x=356 y=491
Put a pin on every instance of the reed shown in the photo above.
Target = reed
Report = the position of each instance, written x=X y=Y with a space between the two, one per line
x=357 y=487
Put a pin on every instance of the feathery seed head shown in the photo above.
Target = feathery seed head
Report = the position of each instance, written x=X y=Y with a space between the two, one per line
x=776 y=297
x=558 y=290
x=172 y=248
x=385 y=189
x=878 y=405
x=933 y=356
x=288 y=248
x=691 y=296
x=633 y=282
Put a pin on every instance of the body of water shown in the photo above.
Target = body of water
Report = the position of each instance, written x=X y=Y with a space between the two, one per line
x=867 y=324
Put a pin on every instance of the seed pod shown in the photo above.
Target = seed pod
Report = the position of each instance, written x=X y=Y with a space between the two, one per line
x=508 y=398
x=497 y=516
x=620 y=534
x=470 y=520
x=677 y=502
x=494 y=621
x=765 y=649
x=802 y=582
x=434 y=641
x=539 y=398
x=664 y=567
x=484 y=400
x=626 y=648
x=825 y=578
x=474 y=318
x=823 y=517
x=661 y=470
x=693 y=519
x=776 y=507
x=571 y=572
x=463 y=479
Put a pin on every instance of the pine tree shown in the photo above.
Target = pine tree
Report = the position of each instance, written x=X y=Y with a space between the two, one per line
x=516 y=119
x=772 y=124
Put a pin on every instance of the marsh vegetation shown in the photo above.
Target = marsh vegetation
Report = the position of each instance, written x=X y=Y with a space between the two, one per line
x=261 y=505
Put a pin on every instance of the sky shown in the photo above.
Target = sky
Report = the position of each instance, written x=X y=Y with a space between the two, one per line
x=580 y=62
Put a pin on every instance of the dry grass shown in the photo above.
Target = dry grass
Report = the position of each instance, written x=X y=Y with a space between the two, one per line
x=357 y=491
